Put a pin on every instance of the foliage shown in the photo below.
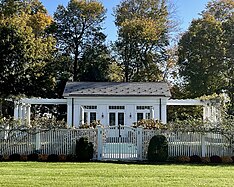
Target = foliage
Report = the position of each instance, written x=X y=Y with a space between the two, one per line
x=226 y=159
x=195 y=159
x=62 y=158
x=158 y=149
x=115 y=72
x=215 y=159
x=92 y=125
x=84 y=149
x=189 y=125
x=142 y=37
x=95 y=60
x=150 y=124
x=14 y=157
x=37 y=123
x=43 y=157
x=33 y=157
x=206 y=52
x=205 y=160
x=183 y=113
x=71 y=158
x=183 y=159
x=77 y=27
x=53 y=158
x=23 y=158
x=26 y=48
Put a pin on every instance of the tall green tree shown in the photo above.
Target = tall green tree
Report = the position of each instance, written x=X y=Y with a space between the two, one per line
x=76 y=26
x=206 y=51
x=143 y=27
x=95 y=61
x=26 y=49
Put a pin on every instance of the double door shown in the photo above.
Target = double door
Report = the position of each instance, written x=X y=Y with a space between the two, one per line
x=116 y=119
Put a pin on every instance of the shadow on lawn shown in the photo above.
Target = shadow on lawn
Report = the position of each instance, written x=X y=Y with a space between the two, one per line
x=164 y=163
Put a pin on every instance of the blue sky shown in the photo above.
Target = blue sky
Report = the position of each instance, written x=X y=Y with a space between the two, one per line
x=187 y=10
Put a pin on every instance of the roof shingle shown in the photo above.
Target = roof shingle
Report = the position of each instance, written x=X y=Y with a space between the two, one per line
x=116 y=89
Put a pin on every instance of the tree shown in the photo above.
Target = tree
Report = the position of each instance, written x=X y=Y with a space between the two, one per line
x=95 y=61
x=26 y=49
x=77 y=25
x=206 y=51
x=143 y=27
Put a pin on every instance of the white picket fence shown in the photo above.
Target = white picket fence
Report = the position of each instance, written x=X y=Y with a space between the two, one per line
x=112 y=143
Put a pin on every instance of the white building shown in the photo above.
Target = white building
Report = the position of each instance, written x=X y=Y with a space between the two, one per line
x=115 y=103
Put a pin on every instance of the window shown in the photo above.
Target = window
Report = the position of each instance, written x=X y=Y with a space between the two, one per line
x=139 y=116
x=90 y=107
x=143 y=107
x=86 y=117
x=92 y=116
x=116 y=107
x=120 y=118
x=112 y=119
x=147 y=116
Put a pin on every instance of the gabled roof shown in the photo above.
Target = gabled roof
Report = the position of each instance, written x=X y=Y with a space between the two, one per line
x=116 y=89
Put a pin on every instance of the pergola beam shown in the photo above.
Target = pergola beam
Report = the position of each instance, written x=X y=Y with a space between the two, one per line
x=36 y=101
x=186 y=102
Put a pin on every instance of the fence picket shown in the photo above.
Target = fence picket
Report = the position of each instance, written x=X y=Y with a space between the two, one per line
x=133 y=143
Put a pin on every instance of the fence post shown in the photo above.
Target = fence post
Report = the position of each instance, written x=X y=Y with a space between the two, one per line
x=38 y=140
x=99 y=142
x=139 y=143
x=203 y=145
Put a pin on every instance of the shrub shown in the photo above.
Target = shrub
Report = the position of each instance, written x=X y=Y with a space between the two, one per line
x=172 y=159
x=195 y=159
x=6 y=158
x=42 y=157
x=232 y=158
x=33 y=157
x=84 y=149
x=183 y=159
x=215 y=159
x=226 y=159
x=205 y=160
x=1 y=158
x=71 y=158
x=158 y=149
x=23 y=158
x=62 y=158
x=14 y=157
x=53 y=158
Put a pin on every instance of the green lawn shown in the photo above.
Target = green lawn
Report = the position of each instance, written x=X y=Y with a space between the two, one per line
x=111 y=174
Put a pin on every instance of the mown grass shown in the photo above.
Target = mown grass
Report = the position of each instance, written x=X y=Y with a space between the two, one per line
x=113 y=174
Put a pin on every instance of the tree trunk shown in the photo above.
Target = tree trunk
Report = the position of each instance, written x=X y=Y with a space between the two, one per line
x=75 y=71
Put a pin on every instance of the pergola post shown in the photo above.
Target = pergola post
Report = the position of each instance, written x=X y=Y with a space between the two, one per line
x=16 y=110
x=152 y=112
x=28 y=114
x=82 y=115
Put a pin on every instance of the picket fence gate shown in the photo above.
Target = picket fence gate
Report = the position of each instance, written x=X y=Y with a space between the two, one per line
x=112 y=143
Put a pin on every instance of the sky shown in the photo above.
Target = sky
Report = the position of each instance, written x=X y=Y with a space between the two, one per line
x=186 y=11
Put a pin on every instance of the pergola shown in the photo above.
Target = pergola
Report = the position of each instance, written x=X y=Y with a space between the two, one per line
x=22 y=107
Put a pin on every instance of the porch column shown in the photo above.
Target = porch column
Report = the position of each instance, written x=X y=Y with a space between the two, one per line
x=76 y=120
x=204 y=113
x=16 y=110
x=28 y=114
x=69 y=112
x=164 y=114
x=82 y=114
x=152 y=112
x=20 y=116
x=24 y=113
